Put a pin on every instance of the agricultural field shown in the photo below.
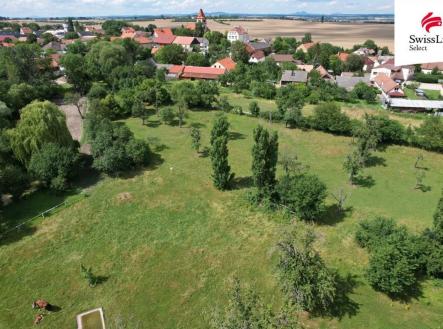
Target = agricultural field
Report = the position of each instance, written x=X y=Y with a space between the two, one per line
x=341 y=34
x=166 y=244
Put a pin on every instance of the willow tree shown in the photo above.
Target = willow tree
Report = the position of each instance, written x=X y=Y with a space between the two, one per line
x=40 y=123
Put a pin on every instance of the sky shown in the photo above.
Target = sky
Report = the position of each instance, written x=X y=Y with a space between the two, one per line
x=48 y=8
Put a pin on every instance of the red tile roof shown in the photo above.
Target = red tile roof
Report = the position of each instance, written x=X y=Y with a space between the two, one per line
x=191 y=26
x=227 y=63
x=5 y=37
x=201 y=14
x=200 y=72
x=343 y=56
x=186 y=41
x=166 y=31
x=164 y=39
x=386 y=83
x=259 y=54
x=240 y=30
x=196 y=72
x=308 y=45
x=55 y=60
x=431 y=66
x=143 y=40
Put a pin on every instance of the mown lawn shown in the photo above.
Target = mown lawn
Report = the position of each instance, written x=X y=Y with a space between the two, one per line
x=167 y=243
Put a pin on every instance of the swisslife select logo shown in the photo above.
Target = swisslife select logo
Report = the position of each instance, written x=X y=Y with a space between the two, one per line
x=418 y=32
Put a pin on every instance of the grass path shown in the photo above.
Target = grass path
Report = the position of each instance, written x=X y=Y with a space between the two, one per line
x=168 y=249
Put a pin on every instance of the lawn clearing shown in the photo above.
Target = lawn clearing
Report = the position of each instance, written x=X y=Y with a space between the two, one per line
x=169 y=251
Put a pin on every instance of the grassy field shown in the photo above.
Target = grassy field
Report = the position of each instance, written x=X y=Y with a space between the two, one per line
x=166 y=243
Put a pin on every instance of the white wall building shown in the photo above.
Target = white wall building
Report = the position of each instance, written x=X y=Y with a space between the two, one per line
x=238 y=33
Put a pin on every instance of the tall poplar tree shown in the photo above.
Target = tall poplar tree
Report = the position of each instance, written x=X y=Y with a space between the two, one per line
x=221 y=171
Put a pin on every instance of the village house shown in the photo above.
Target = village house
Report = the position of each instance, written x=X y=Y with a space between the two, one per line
x=56 y=46
x=284 y=58
x=342 y=56
x=291 y=77
x=127 y=33
x=389 y=69
x=195 y=72
x=187 y=43
x=162 y=31
x=364 y=52
x=203 y=44
x=349 y=81
x=429 y=67
x=238 y=33
x=306 y=46
x=226 y=64
x=324 y=74
x=25 y=31
x=254 y=46
x=163 y=40
x=388 y=87
x=257 y=57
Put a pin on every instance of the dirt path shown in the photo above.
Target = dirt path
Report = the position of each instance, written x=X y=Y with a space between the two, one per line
x=74 y=120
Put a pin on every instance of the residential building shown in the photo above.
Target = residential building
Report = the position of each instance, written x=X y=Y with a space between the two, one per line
x=364 y=52
x=264 y=46
x=163 y=40
x=238 y=33
x=290 y=77
x=429 y=67
x=162 y=31
x=388 y=87
x=283 y=58
x=306 y=46
x=324 y=74
x=342 y=56
x=25 y=31
x=55 y=46
x=305 y=67
x=127 y=33
x=187 y=43
x=349 y=82
x=257 y=57
x=195 y=72
x=397 y=73
x=226 y=64
x=204 y=45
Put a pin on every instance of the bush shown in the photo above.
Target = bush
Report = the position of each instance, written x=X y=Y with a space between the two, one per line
x=428 y=78
x=391 y=271
x=374 y=232
x=430 y=134
x=302 y=194
x=328 y=117
x=166 y=115
x=305 y=278
x=254 y=109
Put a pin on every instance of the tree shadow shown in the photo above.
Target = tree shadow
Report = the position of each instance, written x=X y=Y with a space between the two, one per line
x=53 y=308
x=239 y=183
x=424 y=188
x=375 y=161
x=204 y=153
x=99 y=279
x=333 y=215
x=197 y=125
x=236 y=136
x=413 y=293
x=153 y=123
x=344 y=305
x=364 y=181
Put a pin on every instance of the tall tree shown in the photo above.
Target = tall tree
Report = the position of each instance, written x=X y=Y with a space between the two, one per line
x=264 y=160
x=40 y=123
x=438 y=220
x=221 y=171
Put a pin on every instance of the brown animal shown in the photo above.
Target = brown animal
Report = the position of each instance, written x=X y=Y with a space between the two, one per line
x=38 y=318
x=41 y=304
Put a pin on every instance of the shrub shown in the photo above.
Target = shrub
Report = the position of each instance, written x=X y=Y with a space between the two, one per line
x=254 y=109
x=166 y=115
x=302 y=194
x=430 y=134
x=305 y=278
x=428 y=78
x=373 y=232
x=328 y=117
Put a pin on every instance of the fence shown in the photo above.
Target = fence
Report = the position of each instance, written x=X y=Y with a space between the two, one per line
x=42 y=215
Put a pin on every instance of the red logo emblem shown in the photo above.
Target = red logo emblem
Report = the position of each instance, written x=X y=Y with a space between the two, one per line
x=429 y=21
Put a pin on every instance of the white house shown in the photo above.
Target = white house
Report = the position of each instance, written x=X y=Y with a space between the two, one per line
x=238 y=33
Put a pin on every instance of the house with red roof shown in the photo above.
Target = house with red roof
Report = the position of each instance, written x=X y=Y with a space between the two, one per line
x=324 y=74
x=7 y=38
x=257 y=56
x=163 y=40
x=389 y=69
x=342 y=56
x=226 y=64
x=238 y=33
x=163 y=31
x=195 y=72
x=187 y=43
x=388 y=87
x=26 y=30
x=306 y=46
x=127 y=32
x=429 y=67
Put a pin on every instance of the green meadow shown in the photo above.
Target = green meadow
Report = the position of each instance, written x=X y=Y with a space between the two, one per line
x=166 y=244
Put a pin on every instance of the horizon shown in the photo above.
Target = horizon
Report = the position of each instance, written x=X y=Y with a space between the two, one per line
x=141 y=8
